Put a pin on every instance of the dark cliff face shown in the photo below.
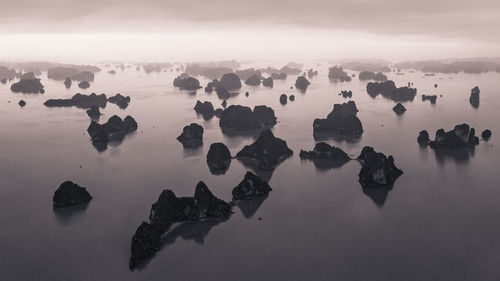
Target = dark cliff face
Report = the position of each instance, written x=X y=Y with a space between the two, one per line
x=342 y=121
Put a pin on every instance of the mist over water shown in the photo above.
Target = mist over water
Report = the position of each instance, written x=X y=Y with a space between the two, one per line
x=321 y=221
x=435 y=223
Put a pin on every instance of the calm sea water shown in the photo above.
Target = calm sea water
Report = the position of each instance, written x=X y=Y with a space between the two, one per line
x=439 y=222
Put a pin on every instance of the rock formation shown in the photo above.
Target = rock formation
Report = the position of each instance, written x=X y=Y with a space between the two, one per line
x=252 y=186
x=377 y=170
x=120 y=100
x=302 y=83
x=170 y=209
x=462 y=136
x=338 y=74
x=326 y=156
x=283 y=99
x=430 y=98
x=84 y=85
x=311 y=73
x=253 y=80
x=346 y=94
x=67 y=82
x=218 y=158
x=389 y=90
x=230 y=82
x=268 y=82
x=423 y=138
x=186 y=82
x=206 y=109
x=192 y=136
x=486 y=135
x=242 y=118
x=114 y=129
x=79 y=100
x=370 y=75
x=474 y=97
x=69 y=194
x=267 y=151
x=278 y=76
x=94 y=112
x=399 y=108
x=28 y=84
x=62 y=73
x=341 y=121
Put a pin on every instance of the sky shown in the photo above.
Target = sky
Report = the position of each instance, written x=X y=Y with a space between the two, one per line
x=234 y=29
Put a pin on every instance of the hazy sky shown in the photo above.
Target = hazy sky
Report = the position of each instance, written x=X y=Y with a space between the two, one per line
x=261 y=29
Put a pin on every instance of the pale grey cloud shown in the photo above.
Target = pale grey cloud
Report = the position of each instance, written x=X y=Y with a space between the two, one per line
x=450 y=18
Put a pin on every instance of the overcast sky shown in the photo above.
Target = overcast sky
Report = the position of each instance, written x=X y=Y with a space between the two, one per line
x=259 y=28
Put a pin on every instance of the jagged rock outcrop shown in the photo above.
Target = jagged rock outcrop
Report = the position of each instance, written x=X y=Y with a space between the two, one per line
x=206 y=109
x=423 y=138
x=69 y=194
x=79 y=100
x=230 y=82
x=267 y=151
x=252 y=186
x=462 y=136
x=389 y=90
x=94 y=112
x=268 y=82
x=114 y=129
x=28 y=84
x=325 y=155
x=338 y=74
x=120 y=100
x=399 y=109
x=186 y=82
x=218 y=158
x=84 y=85
x=430 y=98
x=474 y=97
x=253 y=80
x=170 y=209
x=302 y=83
x=191 y=136
x=377 y=170
x=486 y=135
x=242 y=118
x=341 y=121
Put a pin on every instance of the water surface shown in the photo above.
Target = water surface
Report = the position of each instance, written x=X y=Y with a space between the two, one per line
x=439 y=222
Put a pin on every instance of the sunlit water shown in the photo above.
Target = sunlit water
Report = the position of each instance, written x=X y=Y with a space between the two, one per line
x=439 y=222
